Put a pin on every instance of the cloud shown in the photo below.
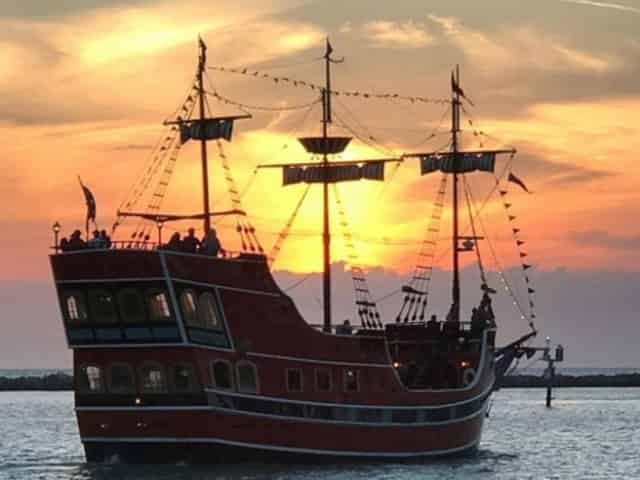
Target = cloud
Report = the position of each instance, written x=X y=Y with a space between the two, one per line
x=149 y=50
x=519 y=48
x=612 y=6
x=389 y=34
x=600 y=238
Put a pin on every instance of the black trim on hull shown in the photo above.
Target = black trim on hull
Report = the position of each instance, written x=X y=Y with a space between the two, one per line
x=215 y=453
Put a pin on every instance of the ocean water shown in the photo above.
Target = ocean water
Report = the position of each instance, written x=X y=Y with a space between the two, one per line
x=588 y=434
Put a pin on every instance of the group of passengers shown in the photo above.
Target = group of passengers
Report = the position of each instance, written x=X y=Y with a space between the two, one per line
x=100 y=240
x=209 y=245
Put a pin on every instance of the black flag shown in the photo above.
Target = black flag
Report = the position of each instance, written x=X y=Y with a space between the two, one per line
x=517 y=181
x=91 y=204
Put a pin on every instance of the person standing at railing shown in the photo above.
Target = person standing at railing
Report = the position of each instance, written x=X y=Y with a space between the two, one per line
x=211 y=244
x=190 y=243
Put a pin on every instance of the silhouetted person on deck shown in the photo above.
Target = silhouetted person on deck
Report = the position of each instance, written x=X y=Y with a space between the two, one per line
x=96 y=241
x=211 y=244
x=76 y=242
x=106 y=239
x=175 y=243
x=190 y=243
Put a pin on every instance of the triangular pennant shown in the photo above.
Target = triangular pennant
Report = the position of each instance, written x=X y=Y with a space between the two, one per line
x=507 y=205
x=531 y=290
x=523 y=254
x=512 y=218
x=503 y=192
x=516 y=230
x=526 y=266
x=520 y=242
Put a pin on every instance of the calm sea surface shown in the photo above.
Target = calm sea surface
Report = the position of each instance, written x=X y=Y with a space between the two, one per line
x=589 y=434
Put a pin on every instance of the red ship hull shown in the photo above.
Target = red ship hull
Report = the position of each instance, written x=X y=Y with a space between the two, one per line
x=285 y=407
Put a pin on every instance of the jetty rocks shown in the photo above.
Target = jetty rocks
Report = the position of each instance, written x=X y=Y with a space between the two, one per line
x=50 y=382
x=62 y=381
x=535 y=381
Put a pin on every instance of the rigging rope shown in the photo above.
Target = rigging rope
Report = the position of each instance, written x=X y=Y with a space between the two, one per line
x=366 y=307
x=417 y=289
x=282 y=236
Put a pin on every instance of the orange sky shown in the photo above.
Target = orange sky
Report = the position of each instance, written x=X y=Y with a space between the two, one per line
x=85 y=91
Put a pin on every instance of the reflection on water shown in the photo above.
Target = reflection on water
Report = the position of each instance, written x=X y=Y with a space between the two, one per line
x=589 y=434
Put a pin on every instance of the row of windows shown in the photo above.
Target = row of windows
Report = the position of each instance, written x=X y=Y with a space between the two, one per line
x=334 y=413
x=323 y=380
x=153 y=377
x=132 y=306
x=103 y=307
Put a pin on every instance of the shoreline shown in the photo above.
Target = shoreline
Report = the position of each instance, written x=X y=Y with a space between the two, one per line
x=64 y=382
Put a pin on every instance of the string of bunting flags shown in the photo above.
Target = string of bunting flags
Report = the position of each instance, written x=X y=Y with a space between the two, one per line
x=246 y=106
x=315 y=87
x=517 y=237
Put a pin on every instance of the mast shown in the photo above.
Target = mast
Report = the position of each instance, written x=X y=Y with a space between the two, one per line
x=326 y=233
x=455 y=127
x=203 y=141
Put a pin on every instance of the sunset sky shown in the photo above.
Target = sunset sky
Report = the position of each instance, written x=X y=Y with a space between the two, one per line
x=86 y=84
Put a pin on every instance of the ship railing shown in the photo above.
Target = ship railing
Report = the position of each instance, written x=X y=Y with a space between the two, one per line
x=142 y=245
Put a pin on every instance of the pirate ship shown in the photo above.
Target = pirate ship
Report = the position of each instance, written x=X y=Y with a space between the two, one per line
x=187 y=356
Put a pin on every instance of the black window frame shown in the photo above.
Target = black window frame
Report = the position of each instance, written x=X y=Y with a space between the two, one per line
x=141 y=378
x=83 y=384
x=247 y=364
x=132 y=376
x=289 y=371
x=80 y=297
x=345 y=378
x=214 y=381
x=329 y=372
x=125 y=319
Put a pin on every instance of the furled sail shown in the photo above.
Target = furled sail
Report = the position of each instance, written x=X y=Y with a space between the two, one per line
x=207 y=129
x=334 y=173
x=466 y=162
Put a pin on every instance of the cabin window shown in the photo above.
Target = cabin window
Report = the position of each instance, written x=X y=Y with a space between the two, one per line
x=184 y=378
x=247 y=377
x=75 y=308
x=131 y=306
x=294 y=380
x=158 y=306
x=323 y=380
x=222 y=377
x=152 y=378
x=189 y=309
x=351 y=383
x=103 y=308
x=207 y=314
x=90 y=379
x=121 y=378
